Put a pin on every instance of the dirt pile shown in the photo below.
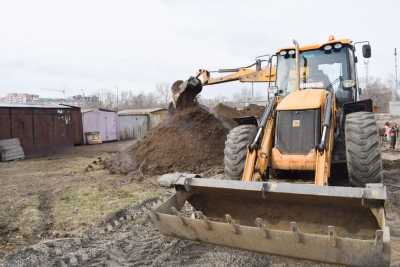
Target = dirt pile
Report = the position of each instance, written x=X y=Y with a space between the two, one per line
x=191 y=140
x=226 y=114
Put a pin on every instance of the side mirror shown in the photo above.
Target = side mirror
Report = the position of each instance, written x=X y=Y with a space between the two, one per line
x=274 y=90
x=366 y=50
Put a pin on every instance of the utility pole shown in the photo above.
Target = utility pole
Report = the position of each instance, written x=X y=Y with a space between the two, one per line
x=117 y=98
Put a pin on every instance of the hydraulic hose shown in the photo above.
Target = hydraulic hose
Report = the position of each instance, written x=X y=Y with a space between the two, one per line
x=326 y=123
x=263 y=121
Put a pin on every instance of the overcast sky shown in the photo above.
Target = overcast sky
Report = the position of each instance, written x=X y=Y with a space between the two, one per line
x=82 y=45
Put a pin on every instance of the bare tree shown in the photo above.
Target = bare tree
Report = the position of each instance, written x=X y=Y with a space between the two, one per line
x=164 y=92
x=380 y=92
x=130 y=100
x=212 y=102
x=243 y=97
x=109 y=101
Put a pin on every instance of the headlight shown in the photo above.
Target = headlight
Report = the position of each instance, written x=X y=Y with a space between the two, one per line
x=327 y=47
x=283 y=53
x=349 y=84
x=338 y=46
x=292 y=52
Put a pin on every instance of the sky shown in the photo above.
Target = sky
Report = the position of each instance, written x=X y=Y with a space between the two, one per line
x=47 y=46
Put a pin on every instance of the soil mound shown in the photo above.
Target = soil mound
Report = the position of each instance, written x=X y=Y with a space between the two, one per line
x=226 y=114
x=191 y=140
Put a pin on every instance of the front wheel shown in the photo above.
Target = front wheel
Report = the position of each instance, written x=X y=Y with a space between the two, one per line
x=363 y=150
x=236 y=150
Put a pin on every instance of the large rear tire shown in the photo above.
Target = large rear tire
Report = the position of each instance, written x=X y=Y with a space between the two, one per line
x=363 y=151
x=236 y=150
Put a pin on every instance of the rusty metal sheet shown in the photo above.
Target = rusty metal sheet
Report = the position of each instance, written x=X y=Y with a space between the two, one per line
x=5 y=123
x=76 y=126
x=22 y=127
x=41 y=130
x=43 y=127
x=62 y=121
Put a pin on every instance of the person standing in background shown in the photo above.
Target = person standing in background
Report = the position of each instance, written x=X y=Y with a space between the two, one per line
x=387 y=132
x=393 y=136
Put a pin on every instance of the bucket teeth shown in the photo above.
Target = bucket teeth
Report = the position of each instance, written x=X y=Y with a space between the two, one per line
x=260 y=223
x=228 y=218
x=179 y=215
x=236 y=227
x=205 y=219
x=295 y=230
x=155 y=216
x=332 y=235
x=379 y=238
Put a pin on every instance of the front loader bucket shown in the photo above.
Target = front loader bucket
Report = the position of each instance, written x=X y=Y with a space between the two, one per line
x=341 y=225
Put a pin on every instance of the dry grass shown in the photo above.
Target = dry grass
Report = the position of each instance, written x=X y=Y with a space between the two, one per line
x=90 y=205
x=61 y=194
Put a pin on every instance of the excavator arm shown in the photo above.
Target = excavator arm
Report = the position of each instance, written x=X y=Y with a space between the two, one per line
x=184 y=92
x=240 y=74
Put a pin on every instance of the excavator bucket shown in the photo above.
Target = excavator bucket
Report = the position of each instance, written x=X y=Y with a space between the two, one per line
x=184 y=92
x=342 y=225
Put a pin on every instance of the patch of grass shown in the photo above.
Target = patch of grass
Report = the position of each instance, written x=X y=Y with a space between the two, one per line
x=87 y=205
x=30 y=218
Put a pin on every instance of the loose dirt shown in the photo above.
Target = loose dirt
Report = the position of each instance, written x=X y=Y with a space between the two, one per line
x=226 y=114
x=61 y=195
x=191 y=140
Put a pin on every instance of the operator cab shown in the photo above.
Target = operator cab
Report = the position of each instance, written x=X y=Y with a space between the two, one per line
x=329 y=66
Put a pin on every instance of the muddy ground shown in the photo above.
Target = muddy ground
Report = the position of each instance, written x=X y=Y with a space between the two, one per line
x=62 y=195
x=66 y=210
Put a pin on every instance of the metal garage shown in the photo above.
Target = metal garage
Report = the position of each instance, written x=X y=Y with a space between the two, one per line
x=100 y=120
x=41 y=128
x=135 y=123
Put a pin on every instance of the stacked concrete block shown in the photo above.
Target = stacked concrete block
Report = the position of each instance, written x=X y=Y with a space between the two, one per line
x=11 y=149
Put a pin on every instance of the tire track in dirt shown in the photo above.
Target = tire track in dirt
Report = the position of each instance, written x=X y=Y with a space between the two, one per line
x=45 y=211
x=130 y=239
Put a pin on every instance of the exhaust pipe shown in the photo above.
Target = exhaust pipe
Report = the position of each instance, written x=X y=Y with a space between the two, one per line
x=297 y=48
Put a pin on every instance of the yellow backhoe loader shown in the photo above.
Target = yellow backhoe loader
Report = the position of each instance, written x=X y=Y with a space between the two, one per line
x=305 y=179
